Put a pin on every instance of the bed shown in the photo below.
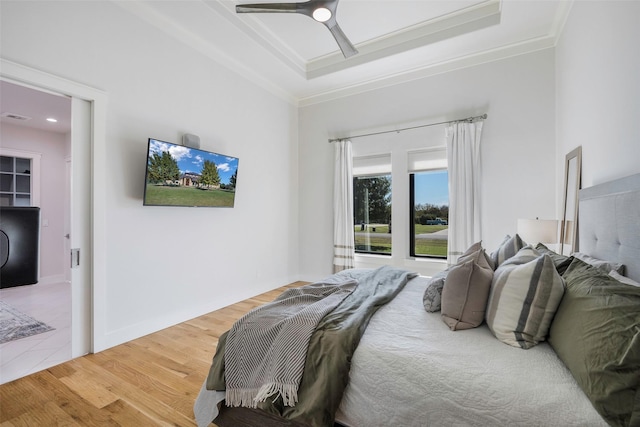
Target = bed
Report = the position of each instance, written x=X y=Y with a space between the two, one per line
x=411 y=369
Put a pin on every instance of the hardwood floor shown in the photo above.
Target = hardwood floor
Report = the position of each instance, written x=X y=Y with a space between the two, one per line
x=153 y=380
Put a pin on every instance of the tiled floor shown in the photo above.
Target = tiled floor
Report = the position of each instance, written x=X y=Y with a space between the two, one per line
x=51 y=304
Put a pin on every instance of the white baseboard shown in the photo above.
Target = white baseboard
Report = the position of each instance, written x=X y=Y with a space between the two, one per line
x=155 y=324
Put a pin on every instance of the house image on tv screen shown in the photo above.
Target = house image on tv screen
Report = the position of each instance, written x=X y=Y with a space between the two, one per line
x=177 y=175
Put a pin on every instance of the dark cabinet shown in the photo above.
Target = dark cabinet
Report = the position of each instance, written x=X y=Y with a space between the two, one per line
x=19 y=245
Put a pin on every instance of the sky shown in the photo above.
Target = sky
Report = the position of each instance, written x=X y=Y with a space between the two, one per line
x=432 y=188
x=191 y=160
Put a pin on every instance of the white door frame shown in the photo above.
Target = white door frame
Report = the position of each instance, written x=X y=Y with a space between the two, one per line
x=80 y=220
x=95 y=256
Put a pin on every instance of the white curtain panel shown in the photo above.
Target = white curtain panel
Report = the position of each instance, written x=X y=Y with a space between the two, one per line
x=343 y=237
x=463 y=157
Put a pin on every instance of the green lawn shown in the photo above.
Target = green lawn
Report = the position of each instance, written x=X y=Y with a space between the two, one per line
x=187 y=196
x=420 y=229
x=378 y=244
x=431 y=247
x=380 y=240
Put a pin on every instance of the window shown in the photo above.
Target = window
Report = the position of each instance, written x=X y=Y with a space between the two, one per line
x=420 y=185
x=372 y=214
x=19 y=177
x=15 y=181
x=372 y=204
x=429 y=203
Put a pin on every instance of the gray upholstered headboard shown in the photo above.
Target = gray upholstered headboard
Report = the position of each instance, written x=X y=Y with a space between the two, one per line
x=609 y=223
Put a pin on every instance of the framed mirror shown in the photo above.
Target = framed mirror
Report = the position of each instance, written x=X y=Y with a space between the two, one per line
x=572 y=182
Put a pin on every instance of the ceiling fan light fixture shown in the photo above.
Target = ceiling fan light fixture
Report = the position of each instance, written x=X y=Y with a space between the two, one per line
x=322 y=14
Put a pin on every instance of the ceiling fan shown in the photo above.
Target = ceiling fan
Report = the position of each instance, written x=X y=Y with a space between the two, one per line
x=323 y=11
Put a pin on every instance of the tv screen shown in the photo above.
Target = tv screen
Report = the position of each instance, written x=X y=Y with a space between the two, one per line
x=177 y=175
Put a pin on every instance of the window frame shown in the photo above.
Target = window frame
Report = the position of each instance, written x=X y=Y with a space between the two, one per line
x=374 y=175
x=35 y=159
x=412 y=224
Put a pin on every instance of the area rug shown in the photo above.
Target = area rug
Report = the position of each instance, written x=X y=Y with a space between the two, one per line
x=15 y=324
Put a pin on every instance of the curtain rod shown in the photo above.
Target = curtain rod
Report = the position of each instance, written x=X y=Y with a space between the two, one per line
x=468 y=119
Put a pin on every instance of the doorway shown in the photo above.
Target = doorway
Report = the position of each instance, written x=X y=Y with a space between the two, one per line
x=39 y=125
x=87 y=173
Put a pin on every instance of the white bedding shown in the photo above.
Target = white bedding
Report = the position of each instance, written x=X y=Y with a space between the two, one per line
x=411 y=370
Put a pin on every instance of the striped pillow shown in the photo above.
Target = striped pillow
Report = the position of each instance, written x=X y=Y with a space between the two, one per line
x=508 y=248
x=525 y=293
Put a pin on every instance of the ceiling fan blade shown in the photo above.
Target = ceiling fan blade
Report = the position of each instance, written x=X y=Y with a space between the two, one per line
x=307 y=8
x=346 y=47
x=266 y=8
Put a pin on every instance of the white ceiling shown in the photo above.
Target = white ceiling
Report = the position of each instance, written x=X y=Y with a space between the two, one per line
x=34 y=107
x=297 y=58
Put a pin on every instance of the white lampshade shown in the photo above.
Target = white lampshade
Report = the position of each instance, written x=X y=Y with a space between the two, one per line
x=535 y=231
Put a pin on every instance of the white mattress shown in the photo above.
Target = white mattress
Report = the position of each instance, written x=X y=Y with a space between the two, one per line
x=411 y=370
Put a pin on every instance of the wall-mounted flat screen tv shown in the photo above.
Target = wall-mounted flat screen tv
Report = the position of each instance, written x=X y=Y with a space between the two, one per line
x=177 y=175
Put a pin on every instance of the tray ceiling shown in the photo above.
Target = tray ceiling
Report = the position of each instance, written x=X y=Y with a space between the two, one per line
x=298 y=58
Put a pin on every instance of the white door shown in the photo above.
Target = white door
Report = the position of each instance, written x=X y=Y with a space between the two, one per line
x=67 y=221
x=80 y=227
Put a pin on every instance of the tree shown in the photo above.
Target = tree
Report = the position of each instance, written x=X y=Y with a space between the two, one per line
x=232 y=180
x=378 y=192
x=209 y=176
x=163 y=168
x=427 y=211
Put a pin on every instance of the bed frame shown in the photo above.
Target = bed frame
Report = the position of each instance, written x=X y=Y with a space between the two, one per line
x=247 y=417
x=609 y=223
x=609 y=229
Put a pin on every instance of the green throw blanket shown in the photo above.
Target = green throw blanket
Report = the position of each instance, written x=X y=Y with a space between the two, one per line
x=266 y=349
x=331 y=347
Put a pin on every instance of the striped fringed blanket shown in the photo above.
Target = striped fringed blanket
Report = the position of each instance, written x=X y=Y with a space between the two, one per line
x=266 y=349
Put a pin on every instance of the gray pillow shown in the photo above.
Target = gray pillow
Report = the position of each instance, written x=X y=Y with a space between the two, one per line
x=433 y=294
x=465 y=292
x=525 y=293
x=561 y=262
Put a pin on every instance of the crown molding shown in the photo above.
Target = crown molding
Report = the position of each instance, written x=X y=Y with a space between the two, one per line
x=451 y=25
x=480 y=15
x=465 y=61
x=147 y=13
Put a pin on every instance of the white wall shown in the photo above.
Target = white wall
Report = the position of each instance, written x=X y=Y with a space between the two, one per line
x=169 y=264
x=598 y=89
x=166 y=265
x=52 y=147
x=518 y=144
